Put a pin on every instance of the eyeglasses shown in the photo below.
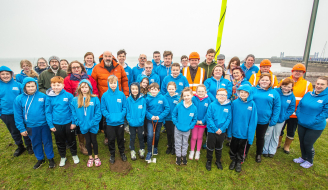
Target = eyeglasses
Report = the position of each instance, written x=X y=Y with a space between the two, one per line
x=142 y=58
x=221 y=95
x=184 y=60
x=42 y=63
x=76 y=67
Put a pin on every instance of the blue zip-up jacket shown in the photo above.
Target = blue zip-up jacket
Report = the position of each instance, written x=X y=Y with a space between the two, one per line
x=219 y=116
x=128 y=72
x=30 y=110
x=136 y=111
x=153 y=77
x=184 y=118
x=162 y=72
x=244 y=117
x=288 y=103
x=21 y=76
x=173 y=101
x=87 y=118
x=8 y=93
x=58 y=109
x=89 y=70
x=155 y=64
x=213 y=85
x=268 y=105
x=312 y=110
x=157 y=106
x=202 y=106
x=248 y=72
x=181 y=82
x=113 y=106
x=136 y=71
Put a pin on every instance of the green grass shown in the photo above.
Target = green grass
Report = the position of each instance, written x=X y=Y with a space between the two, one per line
x=277 y=173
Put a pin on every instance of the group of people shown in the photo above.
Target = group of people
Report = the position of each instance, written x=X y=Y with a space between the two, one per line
x=236 y=103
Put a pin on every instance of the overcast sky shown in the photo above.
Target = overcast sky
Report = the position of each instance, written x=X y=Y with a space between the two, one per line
x=71 y=28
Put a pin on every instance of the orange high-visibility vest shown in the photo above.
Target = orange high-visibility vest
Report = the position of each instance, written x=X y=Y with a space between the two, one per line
x=256 y=76
x=199 y=78
x=301 y=87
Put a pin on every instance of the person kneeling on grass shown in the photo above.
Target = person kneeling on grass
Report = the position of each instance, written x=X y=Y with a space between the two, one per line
x=87 y=115
x=184 y=117
x=243 y=125
x=218 y=120
x=60 y=120
x=136 y=112
x=29 y=111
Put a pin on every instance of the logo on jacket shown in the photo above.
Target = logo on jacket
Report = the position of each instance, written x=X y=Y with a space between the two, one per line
x=160 y=101
x=250 y=108
x=65 y=100
x=223 y=85
x=119 y=100
x=206 y=104
x=181 y=83
x=91 y=104
x=41 y=99
x=320 y=101
x=140 y=107
x=271 y=95
x=175 y=102
x=127 y=73
x=226 y=110
x=253 y=72
x=191 y=114
x=15 y=88
x=288 y=101
x=151 y=80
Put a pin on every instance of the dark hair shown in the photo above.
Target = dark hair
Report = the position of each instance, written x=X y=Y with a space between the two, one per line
x=210 y=51
x=183 y=57
x=175 y=65
x=89 y=53
x=156 y=52
x=142 y=89
x=250 y=55
x=121 y=51
x=153 y=85
x=240 y=69
x=167 y=53
x=287 y=81
x=69 y=69
x=233 y=60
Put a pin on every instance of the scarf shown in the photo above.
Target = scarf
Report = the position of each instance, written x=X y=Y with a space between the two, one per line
x=236 y=83
x=79 y=77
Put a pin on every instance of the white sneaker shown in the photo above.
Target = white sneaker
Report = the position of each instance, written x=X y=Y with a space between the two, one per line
x=133 y=155
x=62 y=162
x=76 y=159
x=142 y=153
x=191 y=155
x=127 y=129
x=197 y=155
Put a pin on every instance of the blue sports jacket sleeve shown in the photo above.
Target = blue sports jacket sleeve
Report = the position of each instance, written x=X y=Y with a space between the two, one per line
x=276 y=109
x=19 y=115
x=166 y=109
x=49 y=113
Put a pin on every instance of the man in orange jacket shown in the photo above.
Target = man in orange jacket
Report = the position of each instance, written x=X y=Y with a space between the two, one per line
x=301 y=87
x=265 y=66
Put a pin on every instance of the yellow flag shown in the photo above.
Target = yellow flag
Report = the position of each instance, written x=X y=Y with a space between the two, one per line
x=221 y=23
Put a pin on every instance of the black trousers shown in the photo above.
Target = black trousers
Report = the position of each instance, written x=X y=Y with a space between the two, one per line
x=260 y=133
x=145 y=130
x=291 y=124
x=65 y=134
x=170 y=134
x=238 y=149
x=307 y=139
x=115 y=132
x=91 y=138
x=214 y=142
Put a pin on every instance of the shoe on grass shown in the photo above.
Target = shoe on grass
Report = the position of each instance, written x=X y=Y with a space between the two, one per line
x=52 y=163
x=76 y=159
x=197 y=155
x=62 y=162
x=142 y=153
x=148 y=157
x=38 y=164
x=19 y=150
x=155 y=151
x=133 y=155
x=30 y=149
x=191 y=155
x=306 y=164
x=299 y=160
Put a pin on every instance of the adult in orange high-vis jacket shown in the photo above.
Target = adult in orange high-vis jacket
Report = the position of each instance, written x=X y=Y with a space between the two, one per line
x=301 y=87
x=265 y=67
x=194 y=74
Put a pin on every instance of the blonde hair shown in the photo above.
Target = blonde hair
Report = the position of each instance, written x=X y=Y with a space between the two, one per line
x=172 y=83
x=32 y=72
x=187 y=89
x=80 y=102
x=112 y=79
x=201 y=85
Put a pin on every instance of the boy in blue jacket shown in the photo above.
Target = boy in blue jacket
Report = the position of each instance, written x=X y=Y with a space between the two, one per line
x=30 y=118
x=113 y=108
x=136 y=112
x=176 y=77
x=60 y=119
x=149 y=73
x=243 y=125
x=157 y=109
x=9 y=90
x=218 y=120
x=173 y=99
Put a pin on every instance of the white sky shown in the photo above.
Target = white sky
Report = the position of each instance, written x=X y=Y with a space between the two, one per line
x=69 y=28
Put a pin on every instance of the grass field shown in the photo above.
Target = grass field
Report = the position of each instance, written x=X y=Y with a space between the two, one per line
x=279 y=172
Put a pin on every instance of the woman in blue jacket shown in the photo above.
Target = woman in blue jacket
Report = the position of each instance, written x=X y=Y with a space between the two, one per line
x=239 y=79
x=216 y=82
x=288 y=103
x=312 y=112
x=27 y=71
x=268 y=105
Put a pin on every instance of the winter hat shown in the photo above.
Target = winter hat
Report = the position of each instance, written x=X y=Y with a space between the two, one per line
x=54 y=57
x=221 y=56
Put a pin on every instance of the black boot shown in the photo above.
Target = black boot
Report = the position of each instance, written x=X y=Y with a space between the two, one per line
x=173 y=151
x=232 y=165
x=178 y=161
x=123 y=156
x=168 y=150
x=219 y=165
x=208 y=165
x=39 y=164
x=52 y=163
x=19 y=150
x=112 y=158
x=184 y=160
x=238 y=167
x=265 y=155
x=258 y=158
x=29 y=149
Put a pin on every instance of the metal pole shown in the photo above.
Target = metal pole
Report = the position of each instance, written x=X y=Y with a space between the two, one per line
x=310 y=34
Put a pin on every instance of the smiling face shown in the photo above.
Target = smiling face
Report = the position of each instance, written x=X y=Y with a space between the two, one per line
x=287 y=88
x=184 y=62
x=236 y=74
x=26 y=68
x=144 y=83
x=76 y=68
x=233 y=65
x=157 y=57
x=171 y=89
x=194 y=62
x=243 y=95
x=201 y=92
x=209 y=57
x=57 y=87
x=121 y=58
x=148 y=68
x=297 y=74
x=85 y=88
x=175 y=71
x=113 y=85
x=154 y=91
x=167 y=61
x=134 y=90
x=320 y=86
x=264 y=82
x=221 y=62
x=217 y=73
x=187 y=96
x=142 y=60
x=42 y=64
x=64 y=65
x=265 y=69
x=107 y=57
x=30 y=88
x=89 y=60
x=221 y=96
x=249 y=62
x=5 y=76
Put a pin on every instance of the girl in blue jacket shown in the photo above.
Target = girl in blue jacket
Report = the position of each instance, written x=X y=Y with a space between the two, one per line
x=173 y=99
x=201 y=101
x=143 y=92
x=184 y=117
x=27 y=71
x=218 y=120
x=87 y=115
x=9 y=90
x=312 y=112
x=268 y=105
x=288 y=103
x=30 y=119
x=136 y=112
x=243 y=125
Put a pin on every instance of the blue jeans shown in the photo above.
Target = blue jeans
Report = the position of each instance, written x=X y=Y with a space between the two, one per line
x=151 y=134
x=271 y=138
x=41 y=135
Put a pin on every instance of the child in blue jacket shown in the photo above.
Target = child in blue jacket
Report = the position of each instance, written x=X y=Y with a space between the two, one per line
x=184 y=117
x=176 y=77
x=87 y=115
x=9 y=90
x=30 y=119
x=243 y=125
x=218 y=120
x=60 y=119
x=136 y=112
x=157 y=109
x=173 y=99
x=113 y=108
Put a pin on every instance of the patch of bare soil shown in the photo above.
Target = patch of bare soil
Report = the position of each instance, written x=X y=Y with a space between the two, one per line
x=121 y=167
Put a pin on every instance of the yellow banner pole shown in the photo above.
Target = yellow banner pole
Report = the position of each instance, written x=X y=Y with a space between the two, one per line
x=221 y=24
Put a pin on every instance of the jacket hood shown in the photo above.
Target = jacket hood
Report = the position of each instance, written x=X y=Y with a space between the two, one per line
x=281 y=93
x=88 y=82
x=27 y=80
x=178 y=77
x=248 y=89
x=227 y=102
x=175 y=95
x=143 y=74
x=125 y=65
x=110 y=90
x=94 y=64
x=259 y=88
x=5 y=68
x=201 y=99
x=160 y=62
x=244 y=66
x=323 y=93
x=138 y=95
x=50 y=92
